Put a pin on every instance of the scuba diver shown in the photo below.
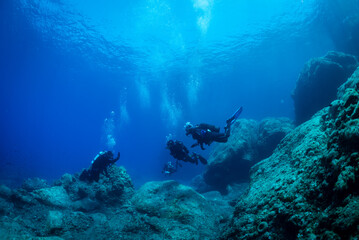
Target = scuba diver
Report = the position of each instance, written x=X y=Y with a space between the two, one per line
x=99 y=165
x=168 y=168
x=180 y=152
x=206 y=134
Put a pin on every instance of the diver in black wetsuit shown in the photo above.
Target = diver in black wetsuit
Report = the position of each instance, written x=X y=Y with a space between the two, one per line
x=168 y=168
x=99 y=165
x=180 y=152
x=206 y=134
x=177 y=150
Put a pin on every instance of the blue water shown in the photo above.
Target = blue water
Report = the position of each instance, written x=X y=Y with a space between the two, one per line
x=147 y=66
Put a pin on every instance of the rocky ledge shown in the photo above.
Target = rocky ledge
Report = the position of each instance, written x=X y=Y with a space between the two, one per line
x=110 y=209
x=308 y=189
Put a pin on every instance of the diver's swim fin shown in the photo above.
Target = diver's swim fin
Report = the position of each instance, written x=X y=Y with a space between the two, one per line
x=202 y=159
x=231 y=120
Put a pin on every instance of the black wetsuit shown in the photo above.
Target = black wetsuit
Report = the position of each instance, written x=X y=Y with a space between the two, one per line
x=98 y=166
x=180 y=152
x=177 y=150
x=206 y=134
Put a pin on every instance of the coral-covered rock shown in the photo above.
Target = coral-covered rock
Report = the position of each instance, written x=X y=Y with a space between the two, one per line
x=318 y=83
x=308 y=188
x=250 y=142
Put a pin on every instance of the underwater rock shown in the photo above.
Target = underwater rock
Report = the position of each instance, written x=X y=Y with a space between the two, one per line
x=112 y=209
x=5 y=192
x=65 y=209
x=231 y=161
x=271 y=132
x=21 y=198
x=54 y=196
x=250 y=142
x=5 y=207
x=32 y=184
x=86 y=205
x=200 y=185
x=308 y=188
x=67 y=224
x=318 y=82
x=55 y=221
x=180 y=209
x=113 y=189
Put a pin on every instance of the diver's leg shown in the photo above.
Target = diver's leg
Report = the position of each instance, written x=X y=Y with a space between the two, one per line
x=220 y=137
x=236 y=114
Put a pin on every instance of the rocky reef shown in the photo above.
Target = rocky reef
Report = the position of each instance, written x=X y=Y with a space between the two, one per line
x=305 y=188
x=110 y=209
x=318 y=83
x=308 y=188
x=250 y=142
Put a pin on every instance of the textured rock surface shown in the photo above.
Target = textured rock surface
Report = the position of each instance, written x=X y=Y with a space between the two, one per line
x=318 y=83
x=250 y=142
x=308 y=188
x=111 y=209
x=63 y=210
x=32 y=184
x=180 y=207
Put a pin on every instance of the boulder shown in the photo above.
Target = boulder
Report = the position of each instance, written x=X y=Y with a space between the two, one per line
x=5 y=207
x=318 y=82
x=22 y=198
x=114 y=189
x=271 y=131
x=5 y=192
x=308 y=188
x=54 y=196
x=179 y=209
x=62 y=223
x=32 y=184
x=250 y=142
x=73 y=209
x=55 y=221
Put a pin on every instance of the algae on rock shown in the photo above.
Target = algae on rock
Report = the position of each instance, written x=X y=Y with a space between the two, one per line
x=308 y=188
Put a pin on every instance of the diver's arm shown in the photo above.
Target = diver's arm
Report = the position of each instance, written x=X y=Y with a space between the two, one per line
x=202 y=146
x=116 y=159
x=196 y=144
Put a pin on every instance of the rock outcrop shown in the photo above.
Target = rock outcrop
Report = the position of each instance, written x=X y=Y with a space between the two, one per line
x=308 y=189
x=250 y=142
x=175 y=206
x=110 y=209
x=318 y=83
